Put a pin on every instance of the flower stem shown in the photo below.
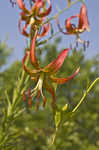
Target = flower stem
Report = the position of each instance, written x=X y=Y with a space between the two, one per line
x=19 y=84
x=85 y=94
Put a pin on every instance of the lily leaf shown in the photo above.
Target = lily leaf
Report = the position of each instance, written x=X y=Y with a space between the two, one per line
x=57 y=116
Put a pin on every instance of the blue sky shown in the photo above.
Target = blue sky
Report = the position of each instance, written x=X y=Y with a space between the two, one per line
x=9 y=25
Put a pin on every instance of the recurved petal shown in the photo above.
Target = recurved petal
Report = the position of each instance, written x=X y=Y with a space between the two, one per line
x=46 y=12
x=64 y=80
x=33 y=58
x=37 y=6
x=83 y=18
x=28 y=70
x=22 y=6
x=55 y=65
x=39 y=3
x=45 y=30
x=23 y=32
x=69 y=27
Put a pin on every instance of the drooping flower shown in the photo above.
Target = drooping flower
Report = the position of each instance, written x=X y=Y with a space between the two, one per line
x=35 y=16
x=45 y=77
x=83 y=24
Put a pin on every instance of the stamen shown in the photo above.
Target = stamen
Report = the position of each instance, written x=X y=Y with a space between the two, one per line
x=29 y=97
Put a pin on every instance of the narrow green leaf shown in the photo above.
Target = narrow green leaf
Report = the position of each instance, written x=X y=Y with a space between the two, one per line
x=8 y=100
x=57 y=118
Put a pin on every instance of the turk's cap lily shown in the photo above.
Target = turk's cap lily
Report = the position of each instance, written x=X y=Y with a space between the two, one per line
x=34 y=18
x=72 y=29
x=53 y=67
x=45 y=77
x=83 y=23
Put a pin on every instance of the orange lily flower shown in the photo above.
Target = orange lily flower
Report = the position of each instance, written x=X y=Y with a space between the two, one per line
x=45 y=77
x=83 y=24
x=35 y=16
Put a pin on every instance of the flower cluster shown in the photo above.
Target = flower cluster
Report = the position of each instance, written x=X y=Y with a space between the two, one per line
x=33 y=28
x=34 y=17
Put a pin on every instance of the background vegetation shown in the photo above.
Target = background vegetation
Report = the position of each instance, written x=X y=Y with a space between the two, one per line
x=31 y=130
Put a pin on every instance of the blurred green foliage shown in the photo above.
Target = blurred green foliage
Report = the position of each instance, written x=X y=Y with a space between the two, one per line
x=5 y=51
x=33 y=130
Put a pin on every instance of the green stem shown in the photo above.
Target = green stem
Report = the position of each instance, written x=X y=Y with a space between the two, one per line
x=19 y=84
x=54 y=137
x=47 y=40
x=85 y=94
